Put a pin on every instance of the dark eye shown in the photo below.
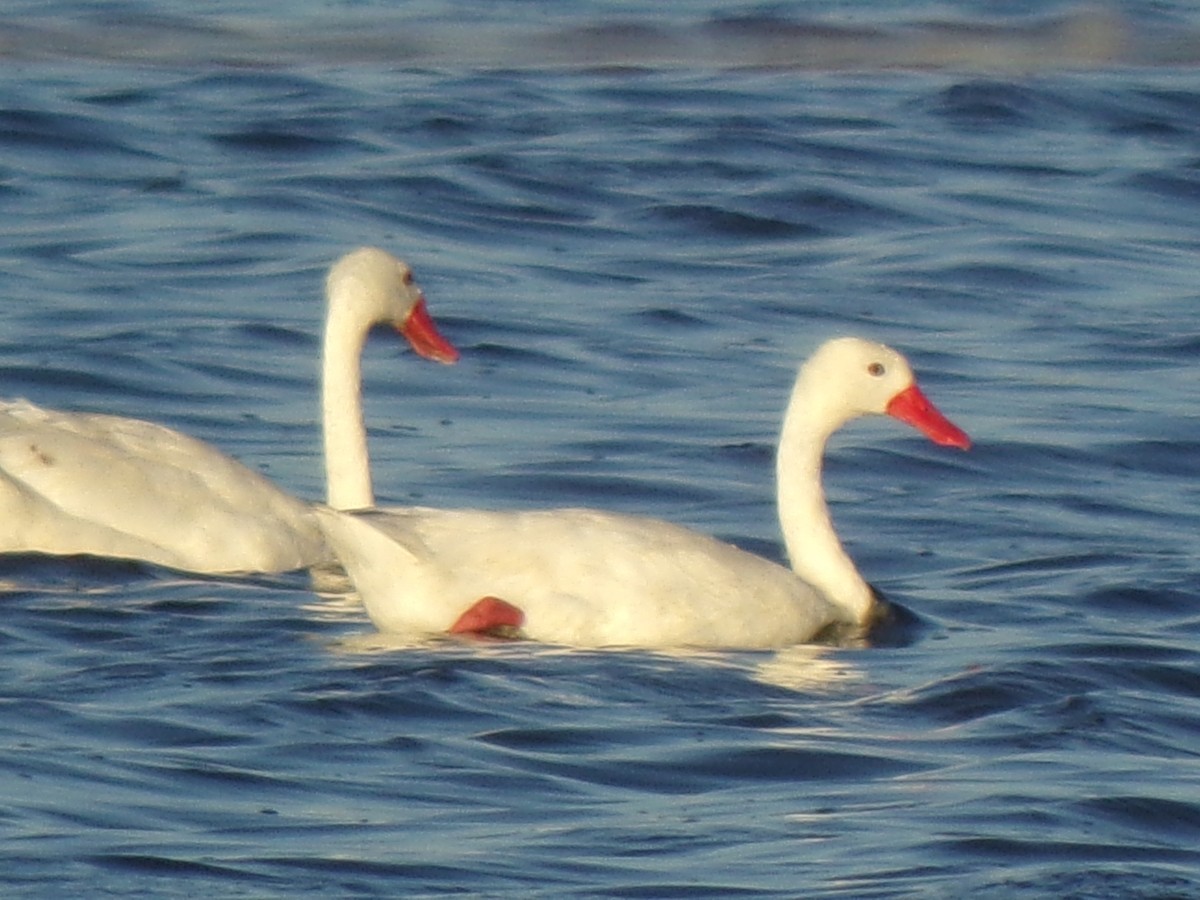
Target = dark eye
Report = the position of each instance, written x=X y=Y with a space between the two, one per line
x=408 y=276
x=876 y=369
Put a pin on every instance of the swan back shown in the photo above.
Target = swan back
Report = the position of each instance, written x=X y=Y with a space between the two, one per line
x=581 y=577
x=81 y=483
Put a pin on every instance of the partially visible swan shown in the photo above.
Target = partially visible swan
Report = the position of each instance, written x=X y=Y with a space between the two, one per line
x=590 y=578
x=85 y=483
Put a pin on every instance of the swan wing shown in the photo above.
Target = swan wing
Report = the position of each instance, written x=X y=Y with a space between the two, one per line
x=111 y=486
x=581 y=577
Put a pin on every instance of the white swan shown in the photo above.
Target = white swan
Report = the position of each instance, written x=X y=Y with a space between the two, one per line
x=85 y=483
x=589 y=578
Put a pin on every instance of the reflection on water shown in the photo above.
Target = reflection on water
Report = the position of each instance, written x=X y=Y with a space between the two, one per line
x=805 y=669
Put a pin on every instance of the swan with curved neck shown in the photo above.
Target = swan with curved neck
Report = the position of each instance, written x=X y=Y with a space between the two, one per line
x=592 y=578
x=364 y=288
x=83 y=483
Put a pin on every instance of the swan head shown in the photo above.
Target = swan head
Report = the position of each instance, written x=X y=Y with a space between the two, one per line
x=851 y=377
x=369 y=287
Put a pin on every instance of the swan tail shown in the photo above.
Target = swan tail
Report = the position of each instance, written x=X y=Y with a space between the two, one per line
x=368 y=553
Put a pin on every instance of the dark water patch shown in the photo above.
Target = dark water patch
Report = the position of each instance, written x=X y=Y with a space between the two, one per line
x=1059 y=851
x=689 y=888
x=455 y=206
x=788 y=764
x=758 y=721
x=1155 y=114
x=906 y=458
x=715 y=769
x=142 y=731
x=1007 y=277
x=550 y=741
x=694 y=166
x=1096 y=881
x=240 y=92
x=1036 y=571
x=122 y=97
x=1168 y=458
x=751 y=454
x=1148 y=348
x=392 y=701
x=672 y=318
x=602 y=272
x=1018 y=460
x=139 y=865
x=831 y=211
x=362 y=876
x=48 y=132
x=980 y=694
x=67 y=574
x=260 y=333
x=997 y=105
x=446 y=684
x=1138 y=601
x=1059 y=700
x=746 y=144
x=1172 y=819
x=700 y=219
x=274 y=140
x=1162 y=679
x=543 y=175
x=1118 y=648
x=1180 y=184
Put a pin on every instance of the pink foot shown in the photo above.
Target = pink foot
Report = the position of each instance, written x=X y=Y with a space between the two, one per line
x=487 y=615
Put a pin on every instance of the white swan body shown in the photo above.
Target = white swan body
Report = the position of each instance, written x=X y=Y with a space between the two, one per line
x=80 y=483
x=578 y=577
x=83 y=483
x=589 y=578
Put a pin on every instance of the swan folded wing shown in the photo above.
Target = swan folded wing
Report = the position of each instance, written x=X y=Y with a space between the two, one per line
x=128 y=488
x=646 y=582
x=30 y=524
x=581 y=577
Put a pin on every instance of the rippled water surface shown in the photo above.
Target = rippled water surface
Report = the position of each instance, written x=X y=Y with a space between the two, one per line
x=634 y=224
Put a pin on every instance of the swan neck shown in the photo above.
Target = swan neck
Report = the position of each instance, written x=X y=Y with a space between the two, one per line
x=814 y=550
x=347 y=463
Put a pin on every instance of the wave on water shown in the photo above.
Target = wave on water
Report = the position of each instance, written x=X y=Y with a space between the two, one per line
x=1084 y=37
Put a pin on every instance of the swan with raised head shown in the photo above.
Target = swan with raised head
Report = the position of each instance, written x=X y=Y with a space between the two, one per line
x=590 y=578
x=99 y=485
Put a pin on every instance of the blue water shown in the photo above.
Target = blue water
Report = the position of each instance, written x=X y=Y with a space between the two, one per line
x=634 y=223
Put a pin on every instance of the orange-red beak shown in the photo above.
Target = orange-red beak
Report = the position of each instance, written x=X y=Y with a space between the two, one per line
x=913 y=408
x=424 y=337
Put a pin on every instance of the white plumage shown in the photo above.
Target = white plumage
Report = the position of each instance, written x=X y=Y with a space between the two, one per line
x=590 y=578
x=85 y=483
